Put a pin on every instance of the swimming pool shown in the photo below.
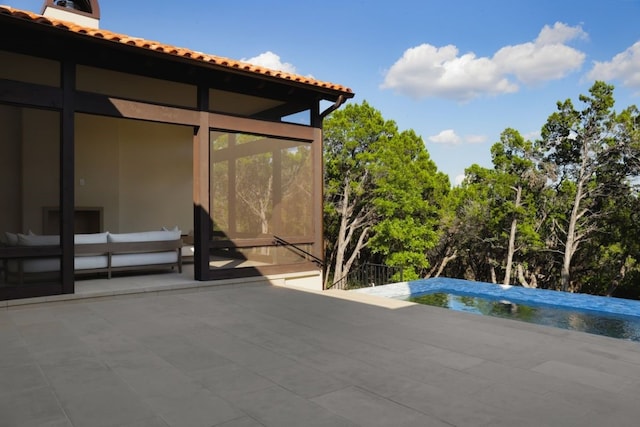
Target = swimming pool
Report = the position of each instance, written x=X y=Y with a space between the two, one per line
x=614 y=317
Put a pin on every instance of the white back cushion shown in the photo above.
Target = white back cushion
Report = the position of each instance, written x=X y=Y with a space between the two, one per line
x=145 y=236
x=33 y=240
x=85 y=239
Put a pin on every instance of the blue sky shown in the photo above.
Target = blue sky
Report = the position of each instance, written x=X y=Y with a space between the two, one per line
x=457 y=72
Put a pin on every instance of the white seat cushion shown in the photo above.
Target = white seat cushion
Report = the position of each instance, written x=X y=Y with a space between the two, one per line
x=144 y=236
x=127 y=260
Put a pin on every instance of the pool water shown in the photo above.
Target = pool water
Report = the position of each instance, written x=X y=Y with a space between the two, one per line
x=613 y=317
x=623 y=327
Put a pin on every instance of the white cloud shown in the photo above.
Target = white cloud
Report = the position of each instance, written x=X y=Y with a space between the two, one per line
x=426 y=71
x=450 y=137
x=547 y=58
x=559 y=34
x=458 y=180
x=272 y=61
x=429 y=71
x=624 y=66
x=447 y=136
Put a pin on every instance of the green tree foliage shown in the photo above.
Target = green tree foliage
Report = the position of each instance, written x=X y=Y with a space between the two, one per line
x=408 y=198
x=594 y=154
x=560 y=212
x=518 y=182
x=495 y=215
x=351 y=136
x=475 y=225
x=382 y=193
x=613 y=257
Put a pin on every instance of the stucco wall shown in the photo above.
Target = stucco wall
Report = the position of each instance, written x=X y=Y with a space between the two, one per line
x=156 y=176
x=29 y=69
x=140 y=173
x=29 y=167
x=40 y=165
x=97 y=163
x=10 y=165
x=130 y=86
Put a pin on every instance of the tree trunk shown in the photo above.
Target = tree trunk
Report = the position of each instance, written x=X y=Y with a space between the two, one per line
x=534 y=281
x=327 y=271
x=492 y=271
x=616 y=282
x=445 y=260
x=570 y=243
x=348 y=227
x=512 y=238
x=341 y=245
x=522 y=279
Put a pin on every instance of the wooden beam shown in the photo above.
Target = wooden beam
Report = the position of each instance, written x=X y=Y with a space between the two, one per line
x=201 y=177
x=28 y=94
x=115 y=107
x=67 y=176
x=283 y=130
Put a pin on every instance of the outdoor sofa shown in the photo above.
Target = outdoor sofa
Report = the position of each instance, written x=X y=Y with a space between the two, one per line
x=98 y=253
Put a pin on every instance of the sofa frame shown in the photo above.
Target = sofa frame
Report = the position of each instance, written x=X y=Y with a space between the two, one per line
x=109 y=249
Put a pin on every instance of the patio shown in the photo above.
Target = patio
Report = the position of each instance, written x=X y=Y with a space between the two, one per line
x=158 y=137
x=253 y=354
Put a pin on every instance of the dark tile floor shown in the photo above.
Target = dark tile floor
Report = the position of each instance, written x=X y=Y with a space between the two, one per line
x=260 y=355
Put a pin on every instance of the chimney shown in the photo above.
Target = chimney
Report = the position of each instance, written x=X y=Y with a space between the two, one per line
x=81 y=12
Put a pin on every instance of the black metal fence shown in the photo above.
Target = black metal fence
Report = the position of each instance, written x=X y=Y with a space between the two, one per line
x=368 y=275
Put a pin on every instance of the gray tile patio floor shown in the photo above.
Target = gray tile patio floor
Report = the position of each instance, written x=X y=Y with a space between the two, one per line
x=260 y=355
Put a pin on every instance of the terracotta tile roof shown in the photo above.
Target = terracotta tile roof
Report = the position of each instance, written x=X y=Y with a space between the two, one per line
x=168 y=49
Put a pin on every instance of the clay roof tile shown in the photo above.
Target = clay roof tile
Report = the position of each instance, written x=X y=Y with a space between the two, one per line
x=168 y=49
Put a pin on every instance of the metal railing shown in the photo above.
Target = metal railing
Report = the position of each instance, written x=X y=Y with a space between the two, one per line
x=368 y=275
x=279 y=241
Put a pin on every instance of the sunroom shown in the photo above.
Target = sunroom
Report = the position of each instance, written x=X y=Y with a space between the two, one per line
x=105 y=138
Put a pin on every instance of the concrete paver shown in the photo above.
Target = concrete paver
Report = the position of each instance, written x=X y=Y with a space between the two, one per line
x=259 y=355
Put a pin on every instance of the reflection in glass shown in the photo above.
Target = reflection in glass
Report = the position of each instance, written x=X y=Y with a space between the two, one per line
x=255 y=194
x=220 y=194
x=296 y=191
x=29 y=185
x=260 y=187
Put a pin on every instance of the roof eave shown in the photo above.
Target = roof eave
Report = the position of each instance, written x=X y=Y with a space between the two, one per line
x=166 y=52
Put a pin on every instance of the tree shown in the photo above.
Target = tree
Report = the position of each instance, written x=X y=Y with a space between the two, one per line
x=613 y=256
x=516 y=172
x=408 y=197
x=471 y=246
x=594 y=155
x=561 y=212
x=351 y=138
x=448 y=249
x=382 y=193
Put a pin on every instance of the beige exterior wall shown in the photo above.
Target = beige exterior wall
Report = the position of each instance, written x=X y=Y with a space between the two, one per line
x=40 y=165
x=29 y=167
x=131 y=86
x=97 y=166
x=156 y=176
x=140 y=173
x=239 y=104
x=29 y=69
x=10 y=165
